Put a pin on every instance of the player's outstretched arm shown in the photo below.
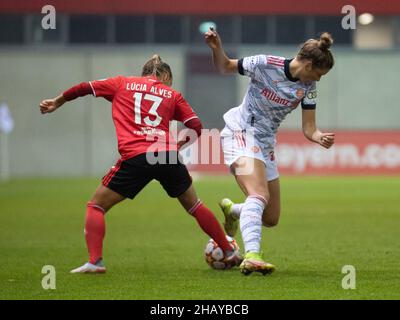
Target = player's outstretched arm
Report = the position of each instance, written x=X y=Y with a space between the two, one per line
x=50 y=105
x=80 y=90
x=311 y=132
x=220 y=59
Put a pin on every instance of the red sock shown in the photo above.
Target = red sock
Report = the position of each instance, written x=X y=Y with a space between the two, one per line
x=207 y=221
x=95 y=229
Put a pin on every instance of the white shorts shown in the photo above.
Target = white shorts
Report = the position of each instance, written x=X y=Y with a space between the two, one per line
x=236 y=144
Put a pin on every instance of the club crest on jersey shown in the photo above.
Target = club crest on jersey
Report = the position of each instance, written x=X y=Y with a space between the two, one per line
x=273 y=96
x=300 y=93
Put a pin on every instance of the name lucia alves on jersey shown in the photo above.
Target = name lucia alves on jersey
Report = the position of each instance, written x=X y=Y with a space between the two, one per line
x=143 y=87
x=273 y=96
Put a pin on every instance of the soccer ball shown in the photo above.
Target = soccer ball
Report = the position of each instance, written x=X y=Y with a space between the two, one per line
x=215 y=256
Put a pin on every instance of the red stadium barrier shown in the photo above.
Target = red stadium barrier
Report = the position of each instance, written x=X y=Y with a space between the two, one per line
x=354 y=152
x=220 y=7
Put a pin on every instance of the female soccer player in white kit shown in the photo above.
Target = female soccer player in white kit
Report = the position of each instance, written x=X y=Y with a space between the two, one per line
x=277 y=86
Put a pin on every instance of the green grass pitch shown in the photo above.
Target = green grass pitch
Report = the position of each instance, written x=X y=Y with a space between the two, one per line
x=154 y=250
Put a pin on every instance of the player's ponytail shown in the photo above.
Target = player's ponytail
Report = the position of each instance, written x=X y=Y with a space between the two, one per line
x=156 y=58
x=325 y=41
x=155 y=67
x=318 y=52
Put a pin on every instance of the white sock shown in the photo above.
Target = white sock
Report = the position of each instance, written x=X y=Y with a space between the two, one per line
x=236 y=209
x=251 y=223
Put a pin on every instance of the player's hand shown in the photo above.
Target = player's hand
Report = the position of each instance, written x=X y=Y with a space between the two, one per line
x=50 y=105
x=326 y=140
x=212 y=39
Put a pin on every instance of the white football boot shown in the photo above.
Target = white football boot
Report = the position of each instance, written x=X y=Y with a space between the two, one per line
x=91 y=268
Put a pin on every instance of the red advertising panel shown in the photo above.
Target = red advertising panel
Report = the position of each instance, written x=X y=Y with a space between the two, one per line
x=354 y=152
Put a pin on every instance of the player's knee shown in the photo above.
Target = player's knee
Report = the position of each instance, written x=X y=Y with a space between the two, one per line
x=104 y=204
x=262 y=194
x=194 y=208
x=271 y=218
x=96 y=204
x=188 y=199
x=271 y=223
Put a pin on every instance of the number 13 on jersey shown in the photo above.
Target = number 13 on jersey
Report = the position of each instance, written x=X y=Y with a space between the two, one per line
x=138 y=97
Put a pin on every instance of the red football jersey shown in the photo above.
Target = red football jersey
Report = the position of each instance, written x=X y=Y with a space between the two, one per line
x=142 y=108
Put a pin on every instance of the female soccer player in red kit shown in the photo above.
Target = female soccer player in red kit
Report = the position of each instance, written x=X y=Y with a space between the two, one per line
x=142 y=108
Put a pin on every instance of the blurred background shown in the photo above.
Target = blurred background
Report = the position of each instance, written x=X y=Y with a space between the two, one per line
x=358 y=99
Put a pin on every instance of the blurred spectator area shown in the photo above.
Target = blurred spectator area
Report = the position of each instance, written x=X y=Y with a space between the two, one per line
x=75 y=29
x=132 y=22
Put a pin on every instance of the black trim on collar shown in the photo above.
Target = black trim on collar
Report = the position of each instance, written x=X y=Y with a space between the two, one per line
x=287 y=71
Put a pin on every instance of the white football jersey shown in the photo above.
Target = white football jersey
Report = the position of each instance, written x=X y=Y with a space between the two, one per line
x=271 y=95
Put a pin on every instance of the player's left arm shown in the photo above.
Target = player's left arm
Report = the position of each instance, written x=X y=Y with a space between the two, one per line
x=79 y=90
x=50 y=105
x=312 y=133
x=105 y=88
x=222 y=62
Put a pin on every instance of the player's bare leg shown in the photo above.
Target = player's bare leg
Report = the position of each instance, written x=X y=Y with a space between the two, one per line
x=102 y=201
x=207 y=221
x=188 y=199
x=255 y=187
x=106 y=198
x=272 y=211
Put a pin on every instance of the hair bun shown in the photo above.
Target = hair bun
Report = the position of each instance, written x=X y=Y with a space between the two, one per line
x=325 y=41
x=156 y=58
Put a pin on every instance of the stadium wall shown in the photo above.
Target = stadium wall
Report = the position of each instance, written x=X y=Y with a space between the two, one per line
x=79 y=139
